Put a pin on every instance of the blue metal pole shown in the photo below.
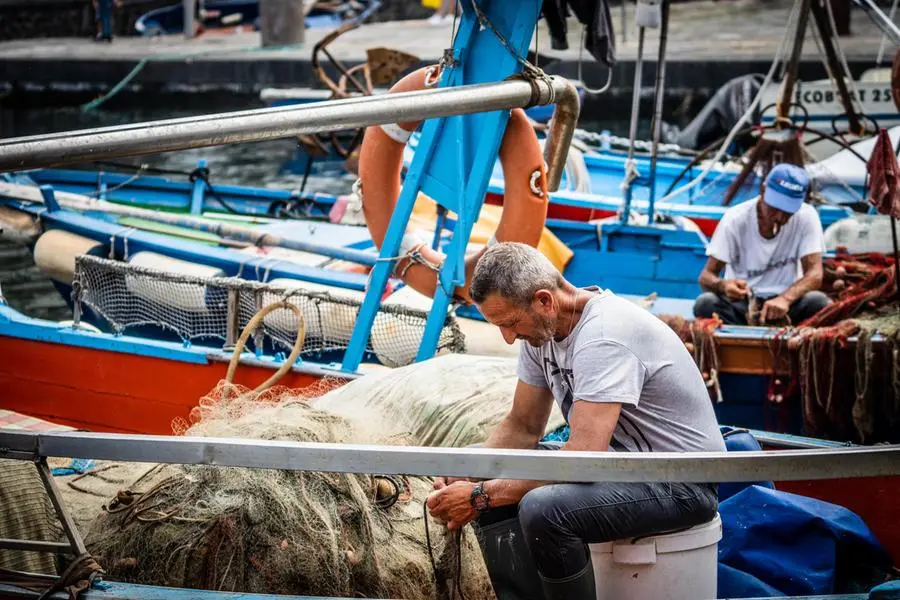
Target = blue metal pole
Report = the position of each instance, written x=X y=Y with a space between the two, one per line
x=390 y=247
x=657 y=111
x=479 y=55
x=197 y=189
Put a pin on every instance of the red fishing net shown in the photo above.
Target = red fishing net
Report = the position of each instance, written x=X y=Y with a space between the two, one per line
x=857 y=283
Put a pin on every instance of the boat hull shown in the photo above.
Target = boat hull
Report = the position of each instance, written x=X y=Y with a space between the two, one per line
x=100 y=390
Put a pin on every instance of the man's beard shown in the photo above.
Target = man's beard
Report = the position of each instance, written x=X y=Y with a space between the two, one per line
x=544 y=331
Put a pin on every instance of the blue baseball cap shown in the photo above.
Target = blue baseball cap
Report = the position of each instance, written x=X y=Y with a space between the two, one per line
x=786 y=187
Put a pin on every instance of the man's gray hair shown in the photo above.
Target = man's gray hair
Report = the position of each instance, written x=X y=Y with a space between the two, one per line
x=514 y=271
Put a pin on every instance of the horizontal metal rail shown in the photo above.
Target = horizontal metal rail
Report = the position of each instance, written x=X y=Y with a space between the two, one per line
x=781 y=465
x=271 y=123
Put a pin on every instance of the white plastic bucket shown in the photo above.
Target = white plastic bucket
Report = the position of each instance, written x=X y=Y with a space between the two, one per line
x=675 y=566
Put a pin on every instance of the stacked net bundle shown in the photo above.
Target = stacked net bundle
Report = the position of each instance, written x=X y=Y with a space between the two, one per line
x=291 y=532
x=126 y=297
x=451 y=401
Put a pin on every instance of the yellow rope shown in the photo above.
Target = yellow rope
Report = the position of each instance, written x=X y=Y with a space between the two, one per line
x=251 y=327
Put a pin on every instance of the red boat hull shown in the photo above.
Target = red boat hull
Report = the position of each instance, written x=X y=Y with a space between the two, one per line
x=98 y=390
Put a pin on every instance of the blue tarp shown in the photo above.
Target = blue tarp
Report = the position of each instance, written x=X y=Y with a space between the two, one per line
x=775 y=543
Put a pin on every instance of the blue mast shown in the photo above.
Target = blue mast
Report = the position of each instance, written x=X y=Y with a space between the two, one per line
x=454 y=158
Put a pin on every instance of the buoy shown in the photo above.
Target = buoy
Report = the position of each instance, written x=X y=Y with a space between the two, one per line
x=838 y=285
x=55 y=252
x=395 y=338
x=17 y=226
x=184 y=296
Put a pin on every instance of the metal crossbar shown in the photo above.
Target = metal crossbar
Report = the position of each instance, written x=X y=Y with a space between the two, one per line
x=106 y=143
x=782 y=465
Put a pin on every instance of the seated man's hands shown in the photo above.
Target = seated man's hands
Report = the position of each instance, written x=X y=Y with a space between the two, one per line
x=735 y=289
x=774 y=309
x=452 y=503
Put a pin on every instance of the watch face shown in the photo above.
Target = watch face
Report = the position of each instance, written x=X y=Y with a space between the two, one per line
x=480 y=501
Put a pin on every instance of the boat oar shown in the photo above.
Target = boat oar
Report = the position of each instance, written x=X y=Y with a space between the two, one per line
x=232 y=233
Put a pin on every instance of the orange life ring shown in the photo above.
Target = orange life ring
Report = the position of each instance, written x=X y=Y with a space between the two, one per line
x=525 y=190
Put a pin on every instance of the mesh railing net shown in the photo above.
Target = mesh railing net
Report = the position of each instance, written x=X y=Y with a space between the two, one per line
x=194 y=308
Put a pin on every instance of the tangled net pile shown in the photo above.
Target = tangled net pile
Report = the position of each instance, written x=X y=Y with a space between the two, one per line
x=306 y=533
x=864 y=407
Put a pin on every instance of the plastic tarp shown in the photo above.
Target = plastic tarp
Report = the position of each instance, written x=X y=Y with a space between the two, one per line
x=775 y=543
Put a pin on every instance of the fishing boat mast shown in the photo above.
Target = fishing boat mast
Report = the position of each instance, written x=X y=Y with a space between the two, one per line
x=648 y=15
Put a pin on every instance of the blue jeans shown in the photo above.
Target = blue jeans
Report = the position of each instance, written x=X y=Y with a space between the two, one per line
x=558 y=520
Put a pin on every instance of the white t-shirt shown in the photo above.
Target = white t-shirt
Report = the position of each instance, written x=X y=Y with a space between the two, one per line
x=768 y=266
x=619 y=352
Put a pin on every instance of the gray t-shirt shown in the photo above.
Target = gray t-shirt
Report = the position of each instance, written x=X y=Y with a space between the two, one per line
x=620 y=352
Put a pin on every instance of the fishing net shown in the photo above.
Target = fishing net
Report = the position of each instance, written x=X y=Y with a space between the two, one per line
x=287 y=532
x=851 y=391
x=124 y=297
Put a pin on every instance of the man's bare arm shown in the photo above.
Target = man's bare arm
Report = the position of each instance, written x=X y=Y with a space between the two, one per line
x=734 y=289
x=813 y=273
x=524 y=426
x=592 y=425
x=709 y=277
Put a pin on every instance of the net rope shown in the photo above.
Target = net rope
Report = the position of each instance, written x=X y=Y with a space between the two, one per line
x=124 y=297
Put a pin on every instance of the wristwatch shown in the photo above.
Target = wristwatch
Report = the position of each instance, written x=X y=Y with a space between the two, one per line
x=479 y=499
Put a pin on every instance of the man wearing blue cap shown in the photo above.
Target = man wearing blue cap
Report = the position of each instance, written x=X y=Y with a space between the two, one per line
x=771 y=250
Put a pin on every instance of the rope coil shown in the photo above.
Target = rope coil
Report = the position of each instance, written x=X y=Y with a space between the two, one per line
x=251 y=327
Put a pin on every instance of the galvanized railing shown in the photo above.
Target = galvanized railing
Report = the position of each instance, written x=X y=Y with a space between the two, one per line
x=71 y=147
x=781 y=465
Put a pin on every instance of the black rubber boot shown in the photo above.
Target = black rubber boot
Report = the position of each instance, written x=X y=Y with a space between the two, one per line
x=575 y=587
x=509 y=561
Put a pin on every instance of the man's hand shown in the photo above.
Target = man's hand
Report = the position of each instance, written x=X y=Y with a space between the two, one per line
x=774 y=309
x=734 y=289
x=452 y=505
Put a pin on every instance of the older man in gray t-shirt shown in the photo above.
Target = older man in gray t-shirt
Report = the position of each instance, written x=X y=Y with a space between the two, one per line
x=624 y=382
